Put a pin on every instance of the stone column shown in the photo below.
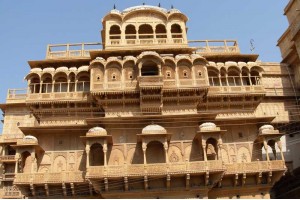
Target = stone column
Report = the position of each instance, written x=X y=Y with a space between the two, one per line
x=242 y=84
x=159 y=69
x=105 y=152
x=140 y=68
x=17 y=156
x=87 y=151
x=266 y=149
x=220 y=80
x=53 y=85
x=41 y=86
x=33 y=162
x=166 y=151
x=144 y=146
x=176 y=75
x=193 y=75
x=280 y=148
x=204 y=150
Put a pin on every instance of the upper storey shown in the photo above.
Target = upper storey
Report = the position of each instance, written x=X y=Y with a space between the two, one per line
x=144 y=26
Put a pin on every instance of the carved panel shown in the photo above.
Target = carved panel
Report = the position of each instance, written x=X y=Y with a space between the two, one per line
x=243 y=155
x=60 y=164
x=174 y=154
x=116 y=157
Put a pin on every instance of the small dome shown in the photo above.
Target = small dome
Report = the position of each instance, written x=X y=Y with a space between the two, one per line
x=144 y=7
x=73 y=69
x=62 y=69
x=154 y=129
x=48 y=69
x=97 y=131
x=30 y=137
x=36 y=70
x=83 y=68
x=266 y=127
x=207 y=125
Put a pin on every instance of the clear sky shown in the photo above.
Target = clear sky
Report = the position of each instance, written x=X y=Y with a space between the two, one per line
x=26 y=27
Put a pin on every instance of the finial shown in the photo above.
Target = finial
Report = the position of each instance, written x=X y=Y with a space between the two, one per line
x=115 y=6
x=172 y=6
x=159 y=5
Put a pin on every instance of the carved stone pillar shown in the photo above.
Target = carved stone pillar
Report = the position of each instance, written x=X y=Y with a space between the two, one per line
x=87 y=150
x=166 y=151
x=280 y=148
x=105 y=152
x=41 y=86
x=204 y=150
x=220 y=80
x=176 y=76
x=227 y=83
x=53 y=86
x=140 y=68
x=144 y=146
x=17 y=156
x=241 y=79
x=159 y=69
x=33 y=163
x=193 y=75
x=266 y=149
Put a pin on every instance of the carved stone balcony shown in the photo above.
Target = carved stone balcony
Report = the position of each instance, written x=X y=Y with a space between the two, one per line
x=54 y=178
x=255 y=167
x=155 y=169
x=150 y=82
x=7 y=158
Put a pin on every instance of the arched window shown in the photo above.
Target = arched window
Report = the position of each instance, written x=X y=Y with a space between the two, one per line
x=155 y=153
x=115 y=32
x=176 y=31
x=233 y=77
x=245 y=77
x=96 y=155
x=26 y=162
x=61 y=82
x=83 y=83
x=145 y=31
x=213 y=78
x=161 y=31
x=35 y=84
x=255 y=78
x=47 y=85
x=130 y=32
x=149 y=68
x=211 y=149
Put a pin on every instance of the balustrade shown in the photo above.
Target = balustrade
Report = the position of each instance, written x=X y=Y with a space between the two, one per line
x=57 y=177
x=7 y=158
x=256 y=166
x=11 y=192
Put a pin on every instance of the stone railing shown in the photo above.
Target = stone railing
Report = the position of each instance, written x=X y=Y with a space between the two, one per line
x=256 y=166
x=10 y=138
x=7 y=158
x=58 y=177
x=154 y=169
x=236 y=89
x=57 y=96
x=150 y=81
x=215 y=46
x=71 y=50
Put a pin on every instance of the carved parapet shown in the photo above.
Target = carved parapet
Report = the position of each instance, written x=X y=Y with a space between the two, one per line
x=42 y=178
x=150 y=81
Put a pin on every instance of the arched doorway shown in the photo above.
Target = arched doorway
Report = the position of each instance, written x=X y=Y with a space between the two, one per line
x=155 y=153
x=96 y=155
x=26 y=162
x=211 y=149
x=149 y=68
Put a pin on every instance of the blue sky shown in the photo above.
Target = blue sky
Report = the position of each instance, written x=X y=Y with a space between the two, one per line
x=26 y=27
